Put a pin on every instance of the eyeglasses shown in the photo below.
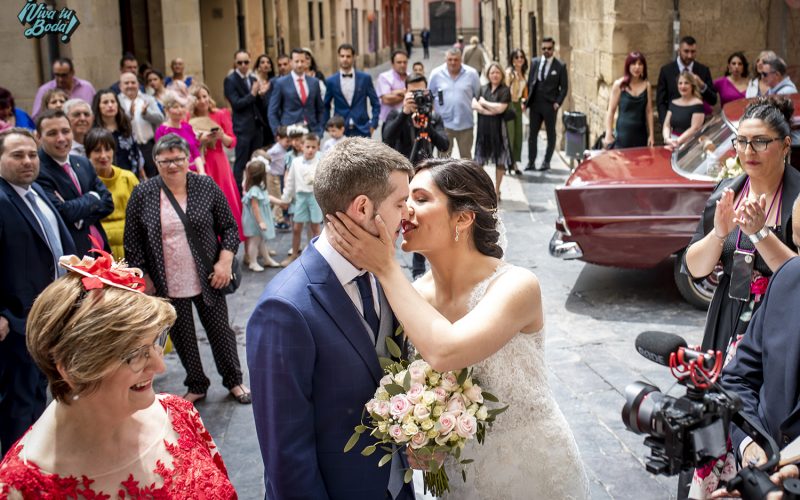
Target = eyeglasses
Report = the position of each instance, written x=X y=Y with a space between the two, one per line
x=759 y=144
x=765 y=74
x=178 y=162
x=548 y=49
x=242 y=63
x=60 y=75
x=137 y=360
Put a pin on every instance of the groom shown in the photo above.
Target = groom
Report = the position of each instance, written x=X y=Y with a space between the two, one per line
x=314 y=339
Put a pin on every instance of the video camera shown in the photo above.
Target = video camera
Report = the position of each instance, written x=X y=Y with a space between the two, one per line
x=689 y=431
x=424 y=100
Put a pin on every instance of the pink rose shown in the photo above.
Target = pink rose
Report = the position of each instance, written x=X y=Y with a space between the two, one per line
x=466 y=425
x=417 y=374
x=396 y=433
x=440 y=394
x=456 y=404
x=447 y=422
x=399 y=405
x=421 y=412
x=419 y=440
x=382 y=408
x=414 y=393
x=371 y=405
x=449 y=382
x=475 y=394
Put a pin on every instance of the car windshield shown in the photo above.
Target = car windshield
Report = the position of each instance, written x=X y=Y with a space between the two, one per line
x=704 y=156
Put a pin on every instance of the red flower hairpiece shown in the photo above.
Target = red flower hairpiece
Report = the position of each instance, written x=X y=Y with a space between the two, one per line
x=103 y=270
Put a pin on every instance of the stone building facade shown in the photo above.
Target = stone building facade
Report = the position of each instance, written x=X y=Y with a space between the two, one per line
x=594 y=37
x=205 y=33
x=446 y=19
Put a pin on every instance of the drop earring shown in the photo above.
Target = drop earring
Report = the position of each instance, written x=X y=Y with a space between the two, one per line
x=456 y=233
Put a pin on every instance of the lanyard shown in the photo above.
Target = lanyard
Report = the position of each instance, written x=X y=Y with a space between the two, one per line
x=778 y=194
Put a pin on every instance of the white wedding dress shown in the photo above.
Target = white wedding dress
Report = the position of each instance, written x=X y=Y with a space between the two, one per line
x=530 y=452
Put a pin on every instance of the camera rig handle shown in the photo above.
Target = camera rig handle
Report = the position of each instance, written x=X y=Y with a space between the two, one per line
x=753 y=481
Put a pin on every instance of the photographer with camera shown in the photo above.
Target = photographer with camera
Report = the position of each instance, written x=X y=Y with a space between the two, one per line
x=414 y=131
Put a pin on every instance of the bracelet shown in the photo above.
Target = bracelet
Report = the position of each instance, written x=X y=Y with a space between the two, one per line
x=760 y=235
x=720 y=238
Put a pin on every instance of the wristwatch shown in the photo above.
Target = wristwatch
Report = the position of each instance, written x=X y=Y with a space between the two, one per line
x=759 y=236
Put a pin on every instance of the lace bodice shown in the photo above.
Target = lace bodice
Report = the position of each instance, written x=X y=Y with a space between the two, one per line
x=530 y=448
x=187 y=465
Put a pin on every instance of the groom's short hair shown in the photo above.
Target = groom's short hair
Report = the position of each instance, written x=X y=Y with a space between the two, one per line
x=356 y=166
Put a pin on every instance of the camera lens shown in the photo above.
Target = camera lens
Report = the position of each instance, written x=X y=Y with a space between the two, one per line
x=642 y=401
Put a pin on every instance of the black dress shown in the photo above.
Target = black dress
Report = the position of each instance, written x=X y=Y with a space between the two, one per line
x=631 y=121
x=491 y=143
x=127 y=155
x=681 y=119
x=725 y=318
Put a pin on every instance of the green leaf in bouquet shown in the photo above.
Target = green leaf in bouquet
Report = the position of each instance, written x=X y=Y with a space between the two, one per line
x=387 y=449
x=488 y=396
x=385 y=363
x=464 y=475
x=462 y=376
x=433 y=465
x=384 y=459
x=398 y=331
x=467 y=461
x=497 y=411
x=360 y=429
x=394 y=389
x=407 y=381
x=457 y=453
x=393 y=348
x=408 y=475
x=352 y=441
x=369 y=450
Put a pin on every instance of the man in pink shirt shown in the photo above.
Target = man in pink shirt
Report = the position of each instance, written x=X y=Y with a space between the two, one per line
x=65 y=79
x=391 y=86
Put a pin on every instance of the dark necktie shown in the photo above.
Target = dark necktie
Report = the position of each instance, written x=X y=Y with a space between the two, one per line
x=50 y=232
x=368 y=303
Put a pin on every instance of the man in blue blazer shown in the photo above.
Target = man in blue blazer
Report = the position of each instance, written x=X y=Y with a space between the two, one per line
x=32 y=238
x=314 y=339
x=296 y=98
x=349 y=90
x=71 y=183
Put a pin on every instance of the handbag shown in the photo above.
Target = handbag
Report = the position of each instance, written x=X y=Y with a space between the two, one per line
x=509 y=114
x=236 y=275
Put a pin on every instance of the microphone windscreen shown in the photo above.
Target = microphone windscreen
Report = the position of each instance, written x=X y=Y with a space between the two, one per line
x=657 y=346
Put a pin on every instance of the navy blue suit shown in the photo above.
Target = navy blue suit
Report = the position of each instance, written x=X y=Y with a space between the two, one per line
x=312 y=369
x=285 y=107
x=71 y=204
x=765 y=372
x=26 y=268
x=356 y=118
x=247 y=118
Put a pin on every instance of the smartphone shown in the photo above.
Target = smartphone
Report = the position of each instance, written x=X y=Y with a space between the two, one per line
x=741 y=275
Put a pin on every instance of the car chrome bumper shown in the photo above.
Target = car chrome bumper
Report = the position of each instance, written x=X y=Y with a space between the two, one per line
x=564 y=250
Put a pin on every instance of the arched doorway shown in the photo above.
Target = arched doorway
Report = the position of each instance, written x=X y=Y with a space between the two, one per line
x=442 y=18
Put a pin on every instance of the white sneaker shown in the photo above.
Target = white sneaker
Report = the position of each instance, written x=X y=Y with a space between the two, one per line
x=255 y=267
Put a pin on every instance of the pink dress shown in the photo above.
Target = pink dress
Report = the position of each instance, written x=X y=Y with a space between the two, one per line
x=219 y=169
x=187 y=132
x=727 y=91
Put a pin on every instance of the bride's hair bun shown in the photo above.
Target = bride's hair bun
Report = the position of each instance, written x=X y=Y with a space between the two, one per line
x=775 y=110
x=469 y=188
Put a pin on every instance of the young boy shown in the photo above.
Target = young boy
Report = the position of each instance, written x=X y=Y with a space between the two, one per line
x=296 y=134
x=277 y=167
x=300 y=188
x=418 y=69
x=335 y=128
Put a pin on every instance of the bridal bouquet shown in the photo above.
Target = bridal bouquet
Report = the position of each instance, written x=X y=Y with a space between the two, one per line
x=432 y=414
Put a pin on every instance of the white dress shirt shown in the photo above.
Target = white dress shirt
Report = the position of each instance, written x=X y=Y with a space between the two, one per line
x=346 y=272
x=143 y=121
x=544 y=67
x=295 y=78
x=348 y=85
x=48 y=214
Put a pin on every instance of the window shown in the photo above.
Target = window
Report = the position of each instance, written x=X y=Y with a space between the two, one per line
x=321 y=22
x=311 y=20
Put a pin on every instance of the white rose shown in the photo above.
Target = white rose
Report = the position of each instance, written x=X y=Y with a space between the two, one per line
x=474 y=393
x=434 y=377
x=414 y=393
x=428 y=397
x=410 y=429
x=382 y=408
x=398 y=379
x=456 y=403
x=419 y=440
x=386 y=380
x=449 y=382
x=482 y=413
x=427 y=424
x=381 y=394
x=421 y=412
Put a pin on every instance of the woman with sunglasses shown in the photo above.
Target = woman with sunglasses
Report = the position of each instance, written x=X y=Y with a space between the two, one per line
x=516 y=80
x=100 y=342
x=757 y=85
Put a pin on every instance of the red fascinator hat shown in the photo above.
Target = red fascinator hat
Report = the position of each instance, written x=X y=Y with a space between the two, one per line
x=103 y=270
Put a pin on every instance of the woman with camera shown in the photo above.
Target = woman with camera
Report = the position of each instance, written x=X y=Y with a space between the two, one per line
x=492 y=144
x=747 y=226
x=217 y=121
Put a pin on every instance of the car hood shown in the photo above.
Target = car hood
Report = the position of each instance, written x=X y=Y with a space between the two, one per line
x=627 y=166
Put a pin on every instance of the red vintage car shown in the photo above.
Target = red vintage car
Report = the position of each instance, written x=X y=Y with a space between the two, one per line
x=636 y=207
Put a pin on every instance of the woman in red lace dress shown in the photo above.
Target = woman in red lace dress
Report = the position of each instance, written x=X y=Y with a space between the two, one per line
x=107 y=434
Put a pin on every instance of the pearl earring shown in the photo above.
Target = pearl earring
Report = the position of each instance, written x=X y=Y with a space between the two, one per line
x=75 y=397
x=456 y=233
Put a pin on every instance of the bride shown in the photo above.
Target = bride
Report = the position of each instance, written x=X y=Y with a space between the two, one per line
x=474 y=309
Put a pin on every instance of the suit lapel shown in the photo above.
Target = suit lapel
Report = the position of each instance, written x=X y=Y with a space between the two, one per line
x=329 y=293
x=65 y=181
x=24 y=210
x=790 y=191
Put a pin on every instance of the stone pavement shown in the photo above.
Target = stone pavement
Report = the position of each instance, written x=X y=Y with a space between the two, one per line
x=593 y=315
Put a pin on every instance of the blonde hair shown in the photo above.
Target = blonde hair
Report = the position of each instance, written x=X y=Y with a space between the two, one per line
x=171 y=99
x=86 y=333
x=687 y=75
x=195 y=89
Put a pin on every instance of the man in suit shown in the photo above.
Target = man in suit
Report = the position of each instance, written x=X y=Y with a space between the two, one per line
x=247 y=97
x=667 y=89
x=547 y=88
x=314 y=339
x=349 y=90
x=765 y=371
x=296 y=98
x=71 y=183
x=32 y=238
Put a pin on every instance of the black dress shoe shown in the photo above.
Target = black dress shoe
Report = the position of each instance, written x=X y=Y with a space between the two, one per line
x=530 y=166
x=543 y=167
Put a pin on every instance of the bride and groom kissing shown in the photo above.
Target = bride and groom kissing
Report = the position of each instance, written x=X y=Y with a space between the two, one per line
x=314 y=338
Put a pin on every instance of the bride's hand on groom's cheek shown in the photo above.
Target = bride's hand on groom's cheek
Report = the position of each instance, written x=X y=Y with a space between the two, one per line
x=361 y=248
